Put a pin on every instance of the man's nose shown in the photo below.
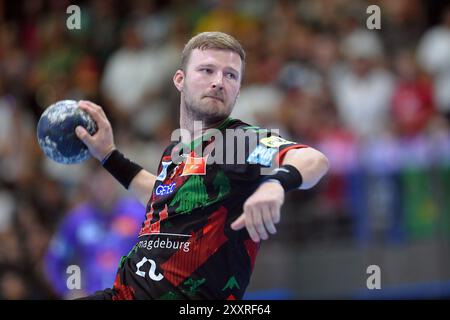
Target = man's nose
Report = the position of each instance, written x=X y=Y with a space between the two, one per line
x=218 y=82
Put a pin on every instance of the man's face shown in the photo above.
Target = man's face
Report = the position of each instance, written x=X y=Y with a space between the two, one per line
x=210 y=84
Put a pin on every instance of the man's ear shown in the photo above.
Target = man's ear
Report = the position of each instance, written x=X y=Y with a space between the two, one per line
x=178 y=79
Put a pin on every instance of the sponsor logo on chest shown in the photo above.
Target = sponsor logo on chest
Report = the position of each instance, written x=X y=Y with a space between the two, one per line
x=194 y=166
x=165 y=189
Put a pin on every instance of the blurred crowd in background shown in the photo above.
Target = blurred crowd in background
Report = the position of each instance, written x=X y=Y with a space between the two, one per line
x=376 y=102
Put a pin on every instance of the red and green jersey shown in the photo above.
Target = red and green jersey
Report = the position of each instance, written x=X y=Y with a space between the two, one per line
x=186 y=248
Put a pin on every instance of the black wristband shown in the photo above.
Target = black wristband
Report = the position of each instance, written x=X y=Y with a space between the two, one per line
x=121 y=168
x=288 y=176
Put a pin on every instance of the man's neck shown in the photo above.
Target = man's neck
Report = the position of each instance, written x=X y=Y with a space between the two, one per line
x=196 y=127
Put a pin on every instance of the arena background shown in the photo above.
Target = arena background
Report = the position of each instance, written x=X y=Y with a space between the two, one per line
x=376 y=102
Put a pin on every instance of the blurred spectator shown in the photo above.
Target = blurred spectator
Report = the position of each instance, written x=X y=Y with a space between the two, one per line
x=7 y=208
x=94 y=235
x=13 y=60
x=402 y=23
x=103 y=20
x=363 y=89
x=434 y=46
x=325 y=55
x=13 y=286
x=16 y=144
x=153 y=21
x=434 y=56
x=226 y=17
x=299 y=112
x=412 y=101
x=86 y=78
x=260 y=97
x=134 y=79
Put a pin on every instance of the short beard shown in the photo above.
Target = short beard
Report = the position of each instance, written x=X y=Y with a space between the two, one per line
x=208 y=117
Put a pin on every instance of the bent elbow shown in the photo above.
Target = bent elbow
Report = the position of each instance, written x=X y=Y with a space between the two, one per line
x=319 y=167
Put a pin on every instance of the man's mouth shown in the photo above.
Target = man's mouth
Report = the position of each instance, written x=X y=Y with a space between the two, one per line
x=214 y=97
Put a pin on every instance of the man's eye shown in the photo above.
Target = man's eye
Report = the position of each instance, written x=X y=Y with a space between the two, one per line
x=206 y=70
x=230 y=75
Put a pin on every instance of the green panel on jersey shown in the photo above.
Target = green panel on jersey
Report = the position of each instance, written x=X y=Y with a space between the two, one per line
x=231 y=284
x=192 y=194
x=170 y=296
x=222 y=184
x=193 y=285
x=123 y=258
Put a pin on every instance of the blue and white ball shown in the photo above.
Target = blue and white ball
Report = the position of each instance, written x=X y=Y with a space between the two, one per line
x=56 y=132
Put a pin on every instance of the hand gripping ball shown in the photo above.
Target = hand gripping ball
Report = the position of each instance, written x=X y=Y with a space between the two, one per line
x=56 y=132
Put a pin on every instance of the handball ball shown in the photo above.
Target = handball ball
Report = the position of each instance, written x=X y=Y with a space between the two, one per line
x=56 y=132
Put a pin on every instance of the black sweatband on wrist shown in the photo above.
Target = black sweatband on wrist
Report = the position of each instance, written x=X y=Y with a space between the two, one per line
x=288 y=176
x=121 y=168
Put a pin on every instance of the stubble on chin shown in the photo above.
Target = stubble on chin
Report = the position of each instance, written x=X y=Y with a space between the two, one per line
x=207 y=111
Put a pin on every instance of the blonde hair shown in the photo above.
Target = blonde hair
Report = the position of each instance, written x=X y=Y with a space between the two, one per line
x=212 y=40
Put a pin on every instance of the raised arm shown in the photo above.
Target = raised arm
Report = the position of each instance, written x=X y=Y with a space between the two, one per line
x=101 y=146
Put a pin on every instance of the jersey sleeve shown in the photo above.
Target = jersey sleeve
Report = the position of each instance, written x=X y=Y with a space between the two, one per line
x=271 y=149
x=263 y=151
